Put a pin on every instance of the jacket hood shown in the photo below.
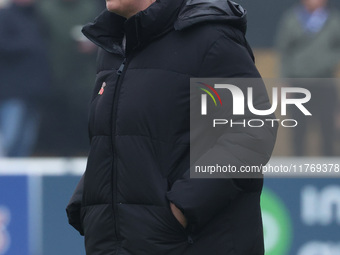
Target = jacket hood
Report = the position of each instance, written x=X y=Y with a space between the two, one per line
x=197 y=11
x=108 y=29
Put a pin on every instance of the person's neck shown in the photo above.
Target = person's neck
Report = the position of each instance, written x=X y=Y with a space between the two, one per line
x=141 y=7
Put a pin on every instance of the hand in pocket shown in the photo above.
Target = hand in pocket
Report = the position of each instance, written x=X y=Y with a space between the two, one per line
x=178 y=215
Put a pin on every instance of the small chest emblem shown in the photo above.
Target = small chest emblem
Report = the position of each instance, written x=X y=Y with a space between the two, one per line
x=101 y=91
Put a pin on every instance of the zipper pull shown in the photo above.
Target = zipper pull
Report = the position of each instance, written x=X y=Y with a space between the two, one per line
x=121 y=68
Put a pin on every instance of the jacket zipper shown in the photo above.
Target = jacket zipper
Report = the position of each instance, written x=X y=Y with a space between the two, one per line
x=113 y=144
x=120 y=73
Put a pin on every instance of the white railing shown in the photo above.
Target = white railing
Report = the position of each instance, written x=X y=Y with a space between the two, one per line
x=42 y=166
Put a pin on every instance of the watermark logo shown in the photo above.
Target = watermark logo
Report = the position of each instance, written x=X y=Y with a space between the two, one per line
x=204 y=97
x=247 y=97
x=239 y=100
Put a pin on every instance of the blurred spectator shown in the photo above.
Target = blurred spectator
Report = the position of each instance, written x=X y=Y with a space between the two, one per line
x=24 y=77
x=309 y=43
x=72 y=57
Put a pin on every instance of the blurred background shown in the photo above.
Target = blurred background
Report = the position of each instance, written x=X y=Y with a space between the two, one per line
x=47 y=69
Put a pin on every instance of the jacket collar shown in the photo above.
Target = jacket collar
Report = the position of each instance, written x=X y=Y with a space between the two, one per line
x=108 y=29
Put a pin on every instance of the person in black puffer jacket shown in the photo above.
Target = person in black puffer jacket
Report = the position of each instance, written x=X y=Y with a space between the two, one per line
x=136 y=196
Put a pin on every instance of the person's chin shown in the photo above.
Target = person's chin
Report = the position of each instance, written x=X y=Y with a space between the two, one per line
x=111 y=6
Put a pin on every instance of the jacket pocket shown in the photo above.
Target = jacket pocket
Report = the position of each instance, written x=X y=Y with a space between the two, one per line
x=185 y=230
x=98 y=225
x=149 y=222
x=175 y=221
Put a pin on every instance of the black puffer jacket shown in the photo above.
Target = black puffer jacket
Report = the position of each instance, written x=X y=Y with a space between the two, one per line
x=139 y=130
